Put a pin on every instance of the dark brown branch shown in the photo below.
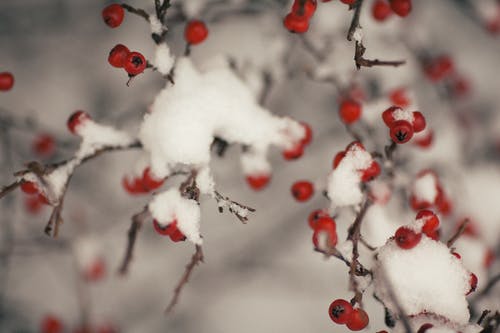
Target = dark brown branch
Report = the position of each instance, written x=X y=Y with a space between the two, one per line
x=333 y=252
x=137 y=11
x=483 y=315
x=233 y=206
x=9 y=188
x=363 y=62
x=355 y=19
x=457 y=234
x=195 y=260
x=137 y=221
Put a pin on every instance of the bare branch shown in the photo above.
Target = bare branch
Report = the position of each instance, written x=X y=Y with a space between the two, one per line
x=239 y=210
x=362 y=62
x=137 y=221
x=9 y=188
x=137 y=11
x=457 y=234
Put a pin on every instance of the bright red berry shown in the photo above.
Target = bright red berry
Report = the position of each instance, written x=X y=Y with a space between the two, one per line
x=6 y=81
x=308 y=134
x=76 y=120
x=371 y=172
x=426 y=140
x=425 y=327
x=473 y=283
x=294 y=152
x=401 y=131
x=381 y=10
x=135 y=63
x=118 y=56
x=296 y=24
x=338 y=158
x=33 y=204
x=177 y=235
x=259 y=181
x=358 y=320
x=315 y=215
x=401 y=7
x=134 y=186
x=418 y=204
x=195 y=32
x=406 y=238
x=399 y=98
x=340 y=311
x=325 y=233
x=349 y=111
x=307 y=10
x=431 y=221
x=51 y=324
x=302 y=190
x=418 y=122
x=29 y=187
x=44 y=145
x=149 y=181
x=113 y=15
x=163 y=230
x=388 y=115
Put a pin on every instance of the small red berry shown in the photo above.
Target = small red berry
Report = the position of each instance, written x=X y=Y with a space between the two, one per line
x=32 y=204
x=348 y=2
x=406 y=238
x=431 y=221
x=425 y=327
x=371 y=172
x=418 y=204
x=118 y=55
x=473 y=283
x=349 y=111
x=51 y=324
x=381 y=10
x=134 y=186
x=438 y=68
x=259 y=181
x=401 y=131
x=401 y=7
x=113 y=15
x=426 y=140
x=315 y=215
x=96 y=270
x=135 y=63
x=308 y=134
x=6 y=81
x=296 y=24
x=177 y=235
x=399 y=98
x=358 y=320
x=388 y=115
x=195 y=32
x=307 y=10
x=294 y=152
x=302 y=190
x=76 y=119
x=325 y=227
x=418 y=122
x=163 y=230
x=340 y=311
x=338 y=158
x=44 y=145
x=29 y=187
x=149 y=181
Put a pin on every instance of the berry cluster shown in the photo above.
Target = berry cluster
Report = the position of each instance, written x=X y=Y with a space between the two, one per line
x=35 y=199
x=324 y=230
x=341 y=312
x=6 y=81
x=403 y=124
x=146 y=183
x=170 y=230
x=439 y=200
x=383 y=9
x=442 y=69
x=367 y=174
x=297 y=21
x=133 y=63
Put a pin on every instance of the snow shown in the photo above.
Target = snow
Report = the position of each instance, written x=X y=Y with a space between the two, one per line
x=473 y=251
x=403 y=114
x=440 y=325
x=168 y=206
x=155 y=25
x=164 y=60
x=358 y=34
x=425 y=187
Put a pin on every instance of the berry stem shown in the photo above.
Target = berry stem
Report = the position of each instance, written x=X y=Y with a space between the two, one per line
x=457 y=234
x=137 y=11
x=137 y=222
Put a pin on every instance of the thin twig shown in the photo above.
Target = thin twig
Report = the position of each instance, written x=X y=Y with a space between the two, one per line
x=137 y=11
x=195 y=260
x=483 y=315
x=233 y=206
x=457 y=234
x=137 y=221
x=9 y=188
x=355 y=19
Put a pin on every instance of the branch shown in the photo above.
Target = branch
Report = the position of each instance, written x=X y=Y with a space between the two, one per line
x=137 y=221
x=362 y=62
x=355 y=20
x=137 y=11
x=457 y=234
x=239 y=210
x=9 y=188
x=195 y=260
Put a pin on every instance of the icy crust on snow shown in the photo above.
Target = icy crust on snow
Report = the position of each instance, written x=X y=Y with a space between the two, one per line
x=425 y=187
x=425 y=279
x=186 y=117
x=344 y=182
x=94 y=137
x=169 y=206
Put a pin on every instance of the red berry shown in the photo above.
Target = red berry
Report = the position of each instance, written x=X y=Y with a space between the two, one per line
x=355 y=145
x=425 y=327
x=6 y=81
x=443 y=204
x=399 y=98
x=417 y=204
x=381 y=10
x=51 y=324
x=135 y=63
x=177 y=235
x=308 y=134
x=325 y=227
x=296 y=24
x=438 y=68
x=29 y=187
x=307 y=10
x=401 y=7
x=195 y=32
x=431 y=221
x=294 y=152
x=338 y=158
x=349 y=111
x=418 y=122
x=401 y=131
x=163 y=230
x=113 y=15
x=473 y=283
x=371 y=172
x=388 y=115
x=44 y=145
x=32 y=204
x=426 y=140
x=340 y=311
x=302 y=190
x=358 y=320
x=315 y=215
x=456 y=255
x=259 y=181
x=118 y=55
x=96 y=270
x=76 y=119
x=348 y=2
x=134 y=186
x=149 y=181
x=406 y=238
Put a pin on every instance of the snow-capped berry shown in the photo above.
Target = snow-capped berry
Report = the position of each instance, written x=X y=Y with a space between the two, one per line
x=371 y=172
x=425 y=327
x=29 y=187
x=51 y=324
x=6 y=81
x=418 y=122
x=135 y=63
x=307 y=10
x=349 y=111
x=44 y=145
x=407 y=238
x=401 y=131
x=355 y=145
x=473 y=283
x=431 y=221
x=338 y=158
x=195 y=32
x=302 y=190
x=388 y=115
x=340 y=311
x=325 y=229
x=425 y=140
x=118 y=55
x=113 y=15
x=418 y=204
x=315 y=215
x=401 y=7
x=96 y=270
x=442 y=202
x=358 y=320
x=296 y=24
x=259 y=181
x=294 y=152
x=134 y=186
x=399 y=98
x=76 y=119
x=308 y=134
x=381 y=10
x=149 y=181
x=163 y=230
